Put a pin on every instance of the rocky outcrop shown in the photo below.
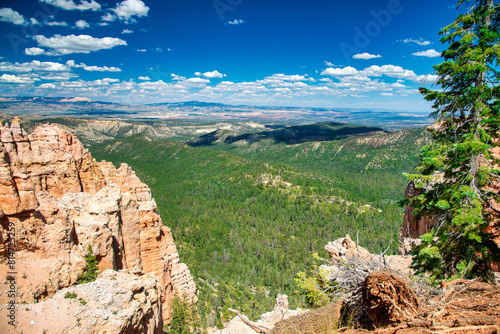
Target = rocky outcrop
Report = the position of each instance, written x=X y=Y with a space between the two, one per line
x=345 y=250
x=56 y=200
x=412 y=228
x=117 y=302
x=241 y=325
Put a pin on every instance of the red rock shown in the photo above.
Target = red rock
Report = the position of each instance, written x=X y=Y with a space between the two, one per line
x=60 y=200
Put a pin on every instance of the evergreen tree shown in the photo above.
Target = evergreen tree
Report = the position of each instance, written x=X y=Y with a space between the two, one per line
x=459 y=159
x=91 y=270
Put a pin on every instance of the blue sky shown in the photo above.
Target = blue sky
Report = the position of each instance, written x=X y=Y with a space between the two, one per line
x=314 y=53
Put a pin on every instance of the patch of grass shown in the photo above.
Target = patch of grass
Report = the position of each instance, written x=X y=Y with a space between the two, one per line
x=70 y=295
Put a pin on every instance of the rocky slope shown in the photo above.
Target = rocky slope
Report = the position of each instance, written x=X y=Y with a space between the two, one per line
x=117 y=302
x=56 y=200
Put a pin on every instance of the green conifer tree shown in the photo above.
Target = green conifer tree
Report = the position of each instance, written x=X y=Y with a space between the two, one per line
x=459 y=159
x=91 y=270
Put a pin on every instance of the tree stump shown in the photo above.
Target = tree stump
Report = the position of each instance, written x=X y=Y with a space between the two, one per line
x=388 y=298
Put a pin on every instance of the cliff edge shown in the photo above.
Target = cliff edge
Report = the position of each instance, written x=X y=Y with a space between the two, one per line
x=56 y=200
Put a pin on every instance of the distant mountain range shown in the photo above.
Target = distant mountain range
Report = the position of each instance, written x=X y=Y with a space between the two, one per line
x=48 y=107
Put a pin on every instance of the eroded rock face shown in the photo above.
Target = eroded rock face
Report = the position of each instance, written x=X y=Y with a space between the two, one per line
x=117 y=302
x=58 y=200
x=412 y=228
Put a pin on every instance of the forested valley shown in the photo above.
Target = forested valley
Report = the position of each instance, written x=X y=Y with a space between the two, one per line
x=246 y=218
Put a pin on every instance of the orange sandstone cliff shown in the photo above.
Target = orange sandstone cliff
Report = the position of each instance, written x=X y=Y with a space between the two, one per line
x=55 y=200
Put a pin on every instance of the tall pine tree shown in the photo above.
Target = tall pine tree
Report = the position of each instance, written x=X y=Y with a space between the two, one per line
x=459 y=159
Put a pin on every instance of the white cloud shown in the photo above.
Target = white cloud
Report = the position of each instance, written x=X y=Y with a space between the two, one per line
x=340 y=71
x=57 y=24
x=429 y=53
x=198 y=74
x=57 y=76
x=176 y=77
x=34 y=51
x=34 y=22
x=420 y=41
x=70 y=4
x=10 y=15
x=129 y=8
x=327 y=63
x=387 y=94
x=390 y=71
x=77 y=44
x=429 y=78
x=81 y=24
x=33 y=66
x=108 y=17
x=145 y=78
x=101 y=69
x=47 y=86
x=236 y=22
x=141 y=50
x=283 y=77
x=365 y=55
x=213 y=74
x=16 y=79
x=127 y=31
x=198 y=80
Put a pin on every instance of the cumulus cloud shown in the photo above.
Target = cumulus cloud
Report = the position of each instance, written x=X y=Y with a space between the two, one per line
x=101 y=69
x=281 y=76
x=392 y=71
x=429 y=53
x=198 y=80
x=16 y=79
x=81 y=24
x=420 y=41
x=387 y=94
x=57 y=24
x=340 y=71
x=34 y=22
x=141 y=50
x=145 y=78
x=365 y=55
x=34 y=51
x=47 y=86
x=429 y=78
x=71 y=5
x=127 y=31
x=127 y=9
x=211 y=75
x=33 y=66
x=176 y=77
x=62 y=45
x=108 y=17
x=10 y=15
x=236 y=22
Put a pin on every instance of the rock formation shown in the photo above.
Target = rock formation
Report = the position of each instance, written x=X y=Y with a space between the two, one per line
x=412 y=228
x=240 y=324
x=55 y=200
x=117 y=302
